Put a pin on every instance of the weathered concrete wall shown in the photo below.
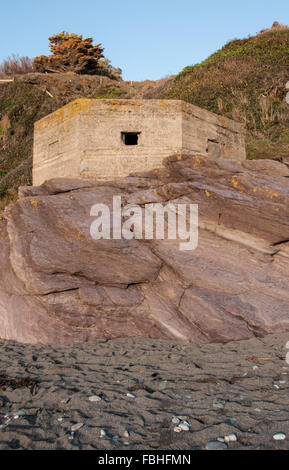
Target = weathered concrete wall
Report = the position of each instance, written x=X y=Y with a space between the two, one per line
x=103 y=153
x=84 y=138
x=56 y=149
x=211 y=135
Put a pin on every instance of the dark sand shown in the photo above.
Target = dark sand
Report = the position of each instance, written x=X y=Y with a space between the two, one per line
x=167 y=378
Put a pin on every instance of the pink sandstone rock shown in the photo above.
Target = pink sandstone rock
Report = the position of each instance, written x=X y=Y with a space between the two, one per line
x=59 y=285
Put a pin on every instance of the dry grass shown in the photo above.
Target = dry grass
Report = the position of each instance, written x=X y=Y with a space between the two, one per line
x=276 y=26
x=6 y=199
x=15 y=64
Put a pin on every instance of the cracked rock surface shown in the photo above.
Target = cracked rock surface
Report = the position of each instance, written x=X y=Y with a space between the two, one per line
x=58 y=285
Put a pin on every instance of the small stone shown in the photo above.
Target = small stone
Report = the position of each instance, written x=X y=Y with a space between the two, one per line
x=279 y=436
x=184 y=426
x=276 y=387
x=21 y=413
x=76 y=427
x=163 y=385
x=126 y=443
x=116 y=436
x=65 y=400
x=131 y=395
x=102 y=433
x=219 y=403
x=230 y=438
x=232 y=420
x=60 y=419
x=94 y=398
x=283 y=382
x=177 y=429
x=216 y=445
x=257 y=410
x=175 y=420
x=220 y=439
x=255 y=367
x=126 y=434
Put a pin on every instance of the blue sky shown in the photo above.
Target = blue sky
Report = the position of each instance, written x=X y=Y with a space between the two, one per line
x=147 y=39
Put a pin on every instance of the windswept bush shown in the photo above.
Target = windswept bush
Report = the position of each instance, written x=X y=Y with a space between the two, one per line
x=70 y=53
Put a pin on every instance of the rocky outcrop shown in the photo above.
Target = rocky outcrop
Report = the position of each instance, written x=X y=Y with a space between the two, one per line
x=57 y=284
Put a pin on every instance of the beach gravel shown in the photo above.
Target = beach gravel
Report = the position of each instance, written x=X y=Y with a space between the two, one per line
x=45 y=391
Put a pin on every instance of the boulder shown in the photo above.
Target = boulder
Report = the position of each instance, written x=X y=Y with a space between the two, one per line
x=59 y=285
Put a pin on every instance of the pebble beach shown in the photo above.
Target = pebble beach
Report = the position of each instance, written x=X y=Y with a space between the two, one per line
x=145 y=394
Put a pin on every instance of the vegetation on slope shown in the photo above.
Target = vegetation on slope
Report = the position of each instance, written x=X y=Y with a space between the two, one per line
x=245 y=80
x=72 y=53
x=26 y=100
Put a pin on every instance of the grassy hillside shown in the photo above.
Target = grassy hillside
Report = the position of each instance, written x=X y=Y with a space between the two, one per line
x=245 y=80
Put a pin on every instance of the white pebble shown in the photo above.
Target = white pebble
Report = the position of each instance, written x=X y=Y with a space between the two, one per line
x=184 y=426
x=126 y=434
x=220 y=439
x=163 y=385
x=76 y=427
x=283 y=382
x=279 y=436
x=94 y=398
x=175 y=420
x=276 y=387
x=230 y=438
x=102 y=433
x=130 y=395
